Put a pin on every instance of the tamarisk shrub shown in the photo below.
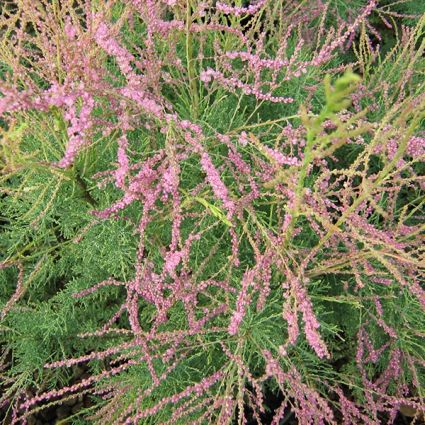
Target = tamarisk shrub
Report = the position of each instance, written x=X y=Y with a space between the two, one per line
x=205 y=203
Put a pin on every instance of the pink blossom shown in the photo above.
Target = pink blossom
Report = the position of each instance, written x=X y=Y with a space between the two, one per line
x=280 y=158
x=216 y=183
x=123 y=162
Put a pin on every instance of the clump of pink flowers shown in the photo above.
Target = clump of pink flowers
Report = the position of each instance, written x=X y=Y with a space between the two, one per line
x=273 y=220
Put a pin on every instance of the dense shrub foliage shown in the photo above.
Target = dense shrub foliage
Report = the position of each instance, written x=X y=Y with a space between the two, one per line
x=213 y=209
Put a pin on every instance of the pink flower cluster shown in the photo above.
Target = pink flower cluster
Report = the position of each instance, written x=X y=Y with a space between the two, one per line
x=238 y=11
x=173 y=174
